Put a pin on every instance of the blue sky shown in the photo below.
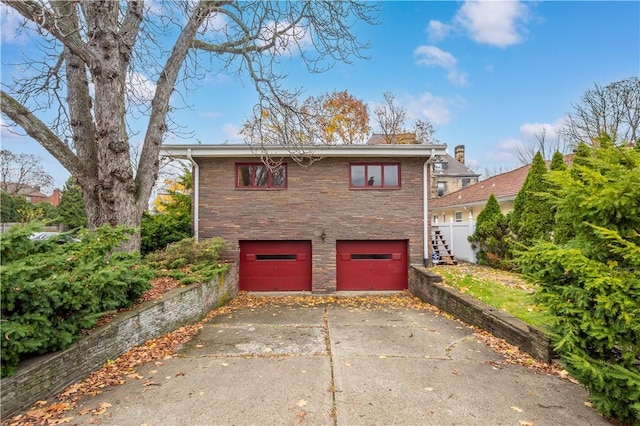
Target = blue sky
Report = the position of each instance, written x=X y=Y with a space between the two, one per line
x=488 y=75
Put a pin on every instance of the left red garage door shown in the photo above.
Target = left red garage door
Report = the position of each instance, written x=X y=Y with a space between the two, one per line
x=275 y=265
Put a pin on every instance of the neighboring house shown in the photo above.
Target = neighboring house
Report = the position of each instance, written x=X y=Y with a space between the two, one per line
x=33 y=194
x=468 y=202
x=453 y=216
x=451 y=174
x=352 y=220
x=448 y=173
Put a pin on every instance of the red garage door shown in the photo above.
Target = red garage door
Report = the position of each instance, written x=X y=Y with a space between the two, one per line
x=275 y=265
x=372 y=265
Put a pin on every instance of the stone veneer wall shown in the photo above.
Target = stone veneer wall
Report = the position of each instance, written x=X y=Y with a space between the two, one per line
x=427 y=286
x=317 y=199
x=41 y=378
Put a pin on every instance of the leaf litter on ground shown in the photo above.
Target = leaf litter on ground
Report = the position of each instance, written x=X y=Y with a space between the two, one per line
x=116 y=372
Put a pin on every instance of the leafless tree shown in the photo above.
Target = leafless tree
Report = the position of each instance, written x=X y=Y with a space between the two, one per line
x=98 y=56
x=20 y=171
x=425 y=132
x=390 y=117
x=613 y=109
x=541 y=143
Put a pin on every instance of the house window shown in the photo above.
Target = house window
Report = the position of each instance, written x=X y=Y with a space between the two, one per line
x=466 y=182
x=259 y=176
x=458 y=216
x=442 y=188
x=374 y=175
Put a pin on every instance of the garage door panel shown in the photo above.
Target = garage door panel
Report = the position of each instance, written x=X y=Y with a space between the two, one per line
x=275 y=265
x=372 y=265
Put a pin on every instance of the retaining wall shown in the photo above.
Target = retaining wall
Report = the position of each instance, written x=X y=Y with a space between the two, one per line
x=427 y=286
x=42 y=377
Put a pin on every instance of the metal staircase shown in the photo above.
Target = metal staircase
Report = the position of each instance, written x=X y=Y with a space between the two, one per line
x=441 y=252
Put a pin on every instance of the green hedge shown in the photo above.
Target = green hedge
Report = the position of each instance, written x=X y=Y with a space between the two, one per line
x=590 y=283
x=50 y=292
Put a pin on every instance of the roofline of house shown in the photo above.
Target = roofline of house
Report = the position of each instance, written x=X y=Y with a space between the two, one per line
x=473 y=203
x=393 y=150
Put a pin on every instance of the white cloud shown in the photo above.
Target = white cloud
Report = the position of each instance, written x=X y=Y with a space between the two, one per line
x=140 y=88
x=10 y=26
x=210 y=115
x=498 y=23
x=529 y=131
x=432 y=56
x=438 y=31
x=231 y=133
x=294 y=39
x=427 y=107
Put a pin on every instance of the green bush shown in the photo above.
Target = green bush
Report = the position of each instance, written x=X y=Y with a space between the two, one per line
x=590 y=283
x=189 y=261
x=491 y=237
x=160 y=230
x=51 y=291
x=532 y=216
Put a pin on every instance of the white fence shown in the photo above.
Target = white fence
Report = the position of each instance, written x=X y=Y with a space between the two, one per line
x=455 y=234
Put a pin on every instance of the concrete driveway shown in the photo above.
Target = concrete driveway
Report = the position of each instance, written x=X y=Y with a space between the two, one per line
x=337 y=365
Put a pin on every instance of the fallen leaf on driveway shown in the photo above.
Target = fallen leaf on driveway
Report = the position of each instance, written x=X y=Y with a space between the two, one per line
x=519 y=410
x=302 y=403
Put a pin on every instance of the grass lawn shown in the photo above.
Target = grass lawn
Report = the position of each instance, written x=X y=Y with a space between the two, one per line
x=502 y=290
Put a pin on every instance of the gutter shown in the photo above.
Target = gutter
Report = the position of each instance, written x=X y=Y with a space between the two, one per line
x=196 y=194
x=425 y=205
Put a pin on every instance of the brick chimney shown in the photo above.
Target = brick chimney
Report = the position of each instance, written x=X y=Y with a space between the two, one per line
x=459 y=153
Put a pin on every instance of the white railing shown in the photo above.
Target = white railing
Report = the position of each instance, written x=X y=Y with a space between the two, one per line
x=456 y=234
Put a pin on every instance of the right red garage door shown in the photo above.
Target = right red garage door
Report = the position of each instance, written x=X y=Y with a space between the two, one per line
x=372 y=265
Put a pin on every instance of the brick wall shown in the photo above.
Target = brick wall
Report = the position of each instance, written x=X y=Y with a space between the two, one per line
x=428 y=287
x=317 y=198
x=41 y=378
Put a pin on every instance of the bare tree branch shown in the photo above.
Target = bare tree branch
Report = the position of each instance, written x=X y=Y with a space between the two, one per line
x=613 y=109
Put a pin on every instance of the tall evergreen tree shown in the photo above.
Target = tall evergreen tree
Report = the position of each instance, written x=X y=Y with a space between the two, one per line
x=532 y=216
x=71 y=209
x=561 y=229
x=491 y=236
x=557 y=162
x=590 y=283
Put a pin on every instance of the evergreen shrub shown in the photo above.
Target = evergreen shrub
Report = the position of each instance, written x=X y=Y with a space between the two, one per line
x=591 y=283
x=492 y=237
x=189 y=261
x=50 y=292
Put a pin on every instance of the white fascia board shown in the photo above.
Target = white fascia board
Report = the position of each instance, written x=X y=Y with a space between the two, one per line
x=321 y=151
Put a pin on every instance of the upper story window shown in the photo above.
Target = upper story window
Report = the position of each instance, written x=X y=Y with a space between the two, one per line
x=466 y=182
x=458 y=216
x=259 y=176
x=442 y=188
x=374 y=175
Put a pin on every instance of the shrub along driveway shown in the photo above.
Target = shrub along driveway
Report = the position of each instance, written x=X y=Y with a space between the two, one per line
x=332 y=361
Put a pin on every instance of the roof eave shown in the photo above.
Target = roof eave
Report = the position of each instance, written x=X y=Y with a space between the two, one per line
x=226 y=151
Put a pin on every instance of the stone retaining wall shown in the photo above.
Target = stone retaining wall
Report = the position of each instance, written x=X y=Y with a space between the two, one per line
x=427 y=286
x=42 y=377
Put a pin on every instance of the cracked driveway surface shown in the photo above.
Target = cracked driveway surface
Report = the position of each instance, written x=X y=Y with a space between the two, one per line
x=337 y=365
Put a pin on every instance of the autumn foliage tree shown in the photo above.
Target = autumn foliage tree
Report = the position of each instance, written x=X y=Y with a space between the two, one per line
x=343 y=118
x=95 y=54
x=172 y=220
